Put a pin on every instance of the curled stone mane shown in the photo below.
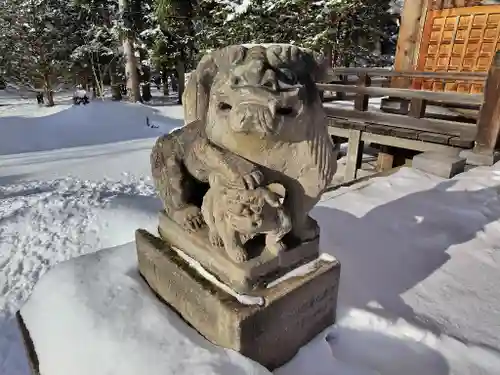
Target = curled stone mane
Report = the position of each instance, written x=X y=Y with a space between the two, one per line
x=255 y=53
x=322 y=150
x=306 y=63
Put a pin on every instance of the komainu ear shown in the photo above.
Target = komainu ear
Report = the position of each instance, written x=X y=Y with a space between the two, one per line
x=302 y=61
x=323 y=71
x=196 y=95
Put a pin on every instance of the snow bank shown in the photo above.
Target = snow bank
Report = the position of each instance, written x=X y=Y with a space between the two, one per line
x=64 y=126
x=95 y=315
x=44 y=223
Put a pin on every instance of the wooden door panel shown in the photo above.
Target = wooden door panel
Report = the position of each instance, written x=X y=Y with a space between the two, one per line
x=459 y=40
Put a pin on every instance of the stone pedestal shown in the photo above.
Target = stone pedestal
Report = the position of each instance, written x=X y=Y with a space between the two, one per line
x=244 y=277
x=294 y=310
x=480 y=159
x=439 y=164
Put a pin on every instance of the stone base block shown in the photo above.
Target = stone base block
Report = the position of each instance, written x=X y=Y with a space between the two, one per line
x=480 y=159
x=262 y=267
x=294 y=311
x=29 y=347
x=439 y=164
x=395 y=105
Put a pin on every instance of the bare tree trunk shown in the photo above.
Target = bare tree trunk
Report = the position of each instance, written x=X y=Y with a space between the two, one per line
x=115 y=87
x=173 y=79
x=94 y=87
x=164 y=81
x=97 y=81
x=133 y=87
x=131 y=74
x=181 y=74
x=48 y=93
x=146 y=84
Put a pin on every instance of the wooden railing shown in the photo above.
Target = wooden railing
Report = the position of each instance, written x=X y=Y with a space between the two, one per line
x=383 y=78
x=418 y=129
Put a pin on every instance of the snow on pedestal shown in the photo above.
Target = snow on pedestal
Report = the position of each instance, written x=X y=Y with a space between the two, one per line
x=95 y=315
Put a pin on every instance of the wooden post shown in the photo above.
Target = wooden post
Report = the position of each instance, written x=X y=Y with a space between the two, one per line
x=488 y=125
x=354 y=154
x=410 y=34
x=361 y=100
x=385 y=159
x=417 y=108
x=410 y=30
x=342 y=95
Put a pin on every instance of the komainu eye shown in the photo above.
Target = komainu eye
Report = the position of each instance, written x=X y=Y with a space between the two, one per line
x=223 y=106
x=288 y=76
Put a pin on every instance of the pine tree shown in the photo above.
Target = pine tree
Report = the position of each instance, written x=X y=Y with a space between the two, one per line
x=39 y=36
x=98 y=54
x=344 y=29
x=175 y=37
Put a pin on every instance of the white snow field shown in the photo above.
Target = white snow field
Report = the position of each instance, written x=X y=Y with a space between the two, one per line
x=420 y=281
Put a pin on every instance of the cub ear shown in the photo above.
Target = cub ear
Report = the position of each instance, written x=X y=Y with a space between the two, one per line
x=277 y=189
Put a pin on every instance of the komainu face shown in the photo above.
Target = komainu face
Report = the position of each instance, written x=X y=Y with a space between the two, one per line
x=264 y=91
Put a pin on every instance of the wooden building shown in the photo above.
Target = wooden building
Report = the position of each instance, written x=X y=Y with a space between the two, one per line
x=448 y=36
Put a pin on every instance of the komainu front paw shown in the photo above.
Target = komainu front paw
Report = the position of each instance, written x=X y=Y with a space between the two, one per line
x=190 y=218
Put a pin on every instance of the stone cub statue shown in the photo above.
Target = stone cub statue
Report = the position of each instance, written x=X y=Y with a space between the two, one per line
x=234 y=216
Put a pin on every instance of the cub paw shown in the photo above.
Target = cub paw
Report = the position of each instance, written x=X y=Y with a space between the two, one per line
x=190 y=218
x=237 y=254
x=215 y=240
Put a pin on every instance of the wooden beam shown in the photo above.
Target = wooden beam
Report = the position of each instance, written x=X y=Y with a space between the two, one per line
x=378 y=72
x=436 y=97
x=458 y=129
x=389 y=140
x=488 y=126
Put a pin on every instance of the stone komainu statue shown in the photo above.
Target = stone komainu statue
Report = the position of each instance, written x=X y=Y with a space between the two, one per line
x=253 y=117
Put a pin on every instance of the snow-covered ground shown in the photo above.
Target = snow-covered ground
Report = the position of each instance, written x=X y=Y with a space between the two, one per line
x=420 y=261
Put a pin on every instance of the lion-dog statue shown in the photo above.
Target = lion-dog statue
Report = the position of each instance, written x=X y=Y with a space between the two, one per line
x=254 y=117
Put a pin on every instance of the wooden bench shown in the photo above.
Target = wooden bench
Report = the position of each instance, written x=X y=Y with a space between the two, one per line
x=416 y=130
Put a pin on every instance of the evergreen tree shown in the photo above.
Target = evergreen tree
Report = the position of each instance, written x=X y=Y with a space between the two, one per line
x=344 y=29
x=38 y=37
x=98 y=54
x=175 y=43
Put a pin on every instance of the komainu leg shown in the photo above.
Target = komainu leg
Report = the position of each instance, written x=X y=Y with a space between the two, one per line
x=298 y=205
x=169 y=177
x=232 y=169
x=208 y=210
x=232 y=242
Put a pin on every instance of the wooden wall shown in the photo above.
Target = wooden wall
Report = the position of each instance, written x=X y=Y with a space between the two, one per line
x=448 y=35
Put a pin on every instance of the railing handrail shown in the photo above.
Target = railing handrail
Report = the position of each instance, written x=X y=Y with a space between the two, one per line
x=458 y=76
x=433 y=96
